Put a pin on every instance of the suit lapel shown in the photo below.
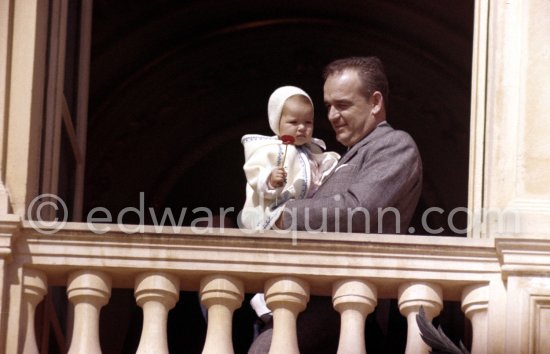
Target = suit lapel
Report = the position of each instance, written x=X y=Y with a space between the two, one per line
x=380 y=129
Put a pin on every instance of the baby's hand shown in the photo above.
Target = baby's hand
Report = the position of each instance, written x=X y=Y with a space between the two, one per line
x=277 y=178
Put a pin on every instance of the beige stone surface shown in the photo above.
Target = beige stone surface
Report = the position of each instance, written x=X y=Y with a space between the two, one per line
x=507 y=262
x=221 y=295
x=88 y=291
x=354 y=299
x=156 y=293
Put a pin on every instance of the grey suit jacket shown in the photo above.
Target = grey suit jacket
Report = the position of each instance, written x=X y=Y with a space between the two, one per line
x=374 y=188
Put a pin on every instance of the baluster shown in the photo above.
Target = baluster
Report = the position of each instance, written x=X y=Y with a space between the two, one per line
x=156 y=293
x=89 y=291
x=286 y=297
x=221 y=294
x=411 y=297
x=34 y=289
x=354 y=300
x=475 y=303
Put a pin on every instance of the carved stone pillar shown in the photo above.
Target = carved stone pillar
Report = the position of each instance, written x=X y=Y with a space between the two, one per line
x=34 y=288
x=89 y=291
x=9 y=226
x=354 y=300
x=411 y=297
x=475 y=303
x=221 y=294
x=286 y=297
x=156 y=293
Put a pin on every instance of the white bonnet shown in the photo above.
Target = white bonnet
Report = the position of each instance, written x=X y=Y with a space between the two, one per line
x=276 y=102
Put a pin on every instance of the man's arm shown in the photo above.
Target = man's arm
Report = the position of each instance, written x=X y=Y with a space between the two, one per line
x=386 y=174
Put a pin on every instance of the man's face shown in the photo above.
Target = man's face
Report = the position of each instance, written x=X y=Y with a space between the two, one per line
x=349 y=112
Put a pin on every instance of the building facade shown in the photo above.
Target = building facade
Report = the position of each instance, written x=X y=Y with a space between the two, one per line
x=499 y=272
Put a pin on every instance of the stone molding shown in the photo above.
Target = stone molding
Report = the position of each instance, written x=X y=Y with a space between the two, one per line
x=321 y=259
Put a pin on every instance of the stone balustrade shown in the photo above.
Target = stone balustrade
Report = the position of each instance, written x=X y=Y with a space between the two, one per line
x=88 y=290
x=221 y=295
x=356 y=270
x=34 y=289
x=411 y=296
x=156 y=293
x=354 y=299
x=286 y=297
x=475 y=304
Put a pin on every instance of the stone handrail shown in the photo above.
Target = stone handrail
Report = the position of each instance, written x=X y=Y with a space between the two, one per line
x=223 y=264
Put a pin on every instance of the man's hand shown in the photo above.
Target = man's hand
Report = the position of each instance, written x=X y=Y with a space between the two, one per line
x=277 y=178
x=280 y=222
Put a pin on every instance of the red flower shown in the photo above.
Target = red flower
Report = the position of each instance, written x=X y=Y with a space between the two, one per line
x=287 y=139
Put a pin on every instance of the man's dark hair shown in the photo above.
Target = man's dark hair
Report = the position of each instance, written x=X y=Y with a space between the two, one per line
x=371 y=73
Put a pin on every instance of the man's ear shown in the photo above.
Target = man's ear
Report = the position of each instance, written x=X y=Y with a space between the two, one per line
x=377 y=101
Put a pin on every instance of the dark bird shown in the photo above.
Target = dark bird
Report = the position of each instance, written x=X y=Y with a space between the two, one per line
x=435 y=338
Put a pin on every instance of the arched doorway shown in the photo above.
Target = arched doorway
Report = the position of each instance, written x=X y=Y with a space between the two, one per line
x=174 y=86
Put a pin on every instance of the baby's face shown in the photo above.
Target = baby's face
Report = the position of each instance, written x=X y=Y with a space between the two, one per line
x=297 y=119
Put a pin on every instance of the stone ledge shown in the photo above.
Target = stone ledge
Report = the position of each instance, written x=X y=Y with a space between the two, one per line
x=319 y=258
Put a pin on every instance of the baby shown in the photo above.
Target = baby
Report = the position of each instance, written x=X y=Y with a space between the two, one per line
x=270 y=183
x=290 y=164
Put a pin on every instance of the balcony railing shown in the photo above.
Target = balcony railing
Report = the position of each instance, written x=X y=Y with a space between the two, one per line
x=224 y=264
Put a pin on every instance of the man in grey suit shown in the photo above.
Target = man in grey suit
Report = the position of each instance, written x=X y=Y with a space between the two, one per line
x=376 y=185
x=374 y=188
